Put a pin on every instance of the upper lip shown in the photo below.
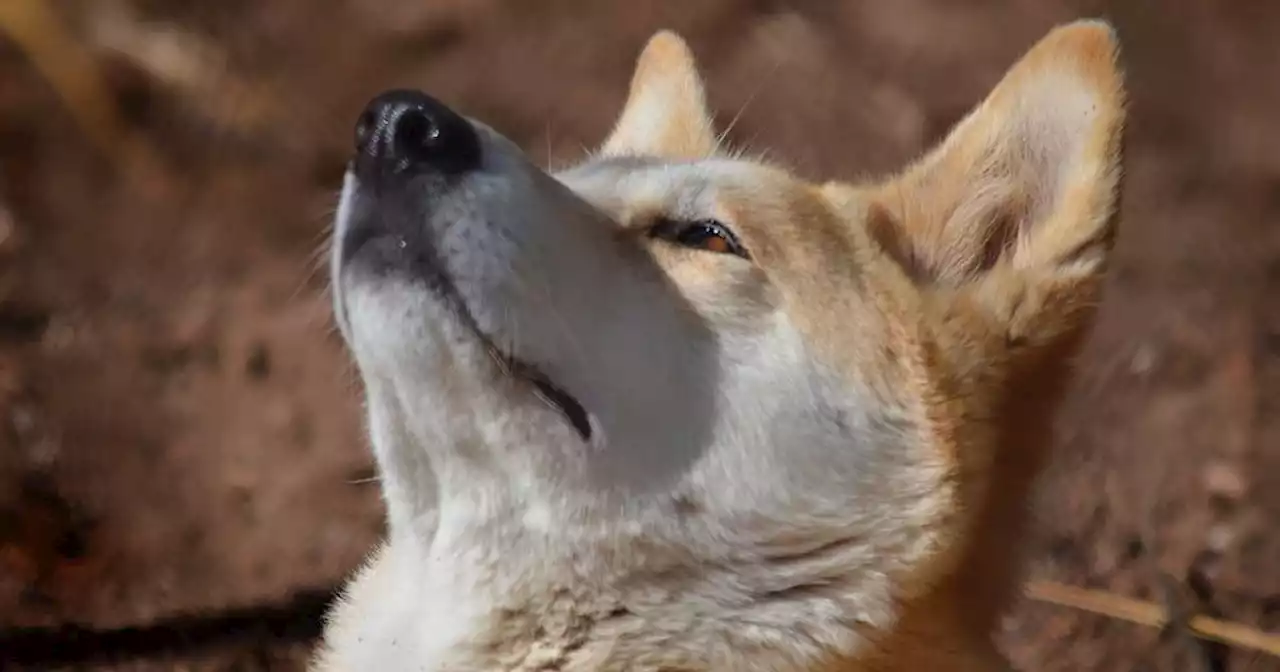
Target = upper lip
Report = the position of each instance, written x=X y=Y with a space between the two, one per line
x=550 y=392
x=547 y=390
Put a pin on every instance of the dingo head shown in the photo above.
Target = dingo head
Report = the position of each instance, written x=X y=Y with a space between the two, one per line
x=672 y=409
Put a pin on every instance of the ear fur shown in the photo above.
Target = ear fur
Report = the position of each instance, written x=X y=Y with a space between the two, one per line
x=1016 y=205
x=666 y=110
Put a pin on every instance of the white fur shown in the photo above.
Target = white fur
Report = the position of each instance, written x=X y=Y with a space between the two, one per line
x=729 y=502
x=790 y=455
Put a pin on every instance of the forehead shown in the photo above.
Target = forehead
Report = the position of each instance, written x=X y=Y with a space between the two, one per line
x=631 y=186
x=791 y=231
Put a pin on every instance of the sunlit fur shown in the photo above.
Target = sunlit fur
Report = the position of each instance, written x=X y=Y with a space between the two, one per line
x=814 y=459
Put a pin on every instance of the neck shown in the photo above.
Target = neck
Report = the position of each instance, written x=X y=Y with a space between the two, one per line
x=415 y=612
x=499 y=594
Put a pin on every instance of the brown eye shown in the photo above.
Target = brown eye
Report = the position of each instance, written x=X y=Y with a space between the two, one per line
x=702 y=234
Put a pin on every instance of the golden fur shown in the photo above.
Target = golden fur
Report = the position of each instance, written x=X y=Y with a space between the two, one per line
x=945 y=303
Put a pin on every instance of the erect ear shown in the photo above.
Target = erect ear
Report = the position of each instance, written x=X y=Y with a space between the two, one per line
x=666 y=111
x=1015 y=207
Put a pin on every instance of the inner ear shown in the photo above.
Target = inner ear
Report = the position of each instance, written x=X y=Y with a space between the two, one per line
x=1028 y=180
x=666 y=111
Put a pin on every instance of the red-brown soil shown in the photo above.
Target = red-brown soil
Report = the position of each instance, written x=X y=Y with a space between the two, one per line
x=179 y=426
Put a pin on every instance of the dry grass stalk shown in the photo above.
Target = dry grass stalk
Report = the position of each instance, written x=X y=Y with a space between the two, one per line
x=1152 y=615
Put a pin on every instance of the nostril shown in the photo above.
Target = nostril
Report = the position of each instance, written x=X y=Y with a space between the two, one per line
x=416 y=135
x=411 y=133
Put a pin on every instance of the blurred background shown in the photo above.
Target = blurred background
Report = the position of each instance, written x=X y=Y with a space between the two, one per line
x=183 y=478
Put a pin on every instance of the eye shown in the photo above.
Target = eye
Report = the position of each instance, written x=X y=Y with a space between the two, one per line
x=701 y=234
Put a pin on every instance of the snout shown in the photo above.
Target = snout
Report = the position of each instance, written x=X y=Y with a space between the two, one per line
x=457 y=259
x=404 y=133
x=411 y=153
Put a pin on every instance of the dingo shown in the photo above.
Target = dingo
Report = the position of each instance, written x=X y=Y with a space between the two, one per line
x=671 y=410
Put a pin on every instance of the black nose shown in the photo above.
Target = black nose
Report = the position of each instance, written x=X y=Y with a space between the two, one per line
x=403 y=131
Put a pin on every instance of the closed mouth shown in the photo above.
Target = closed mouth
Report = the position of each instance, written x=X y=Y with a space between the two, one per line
x=430 y=270
x=550 y=393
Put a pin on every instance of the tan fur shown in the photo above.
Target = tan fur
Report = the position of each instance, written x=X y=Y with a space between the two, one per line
x=665 y=110
x=947 y=301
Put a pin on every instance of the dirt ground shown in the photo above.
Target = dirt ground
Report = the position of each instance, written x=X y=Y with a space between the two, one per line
x=179 y=426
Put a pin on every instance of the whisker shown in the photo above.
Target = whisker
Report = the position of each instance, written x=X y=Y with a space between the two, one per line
x=751 y=97
x=315 y=264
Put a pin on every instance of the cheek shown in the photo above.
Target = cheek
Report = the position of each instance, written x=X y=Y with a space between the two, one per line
x=732 y=296
x=696 y=273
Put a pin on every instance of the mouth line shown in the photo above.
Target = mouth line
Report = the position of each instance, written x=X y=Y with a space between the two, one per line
x=550 y=393
x=438 y=281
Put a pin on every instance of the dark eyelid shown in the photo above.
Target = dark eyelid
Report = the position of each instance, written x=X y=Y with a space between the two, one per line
x=665 y=228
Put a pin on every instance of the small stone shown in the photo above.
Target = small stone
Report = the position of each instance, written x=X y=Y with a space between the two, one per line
x=23 y=421
x=1219 y=537
x=1144 y=360
x=59 y=334
x=1224 y=480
